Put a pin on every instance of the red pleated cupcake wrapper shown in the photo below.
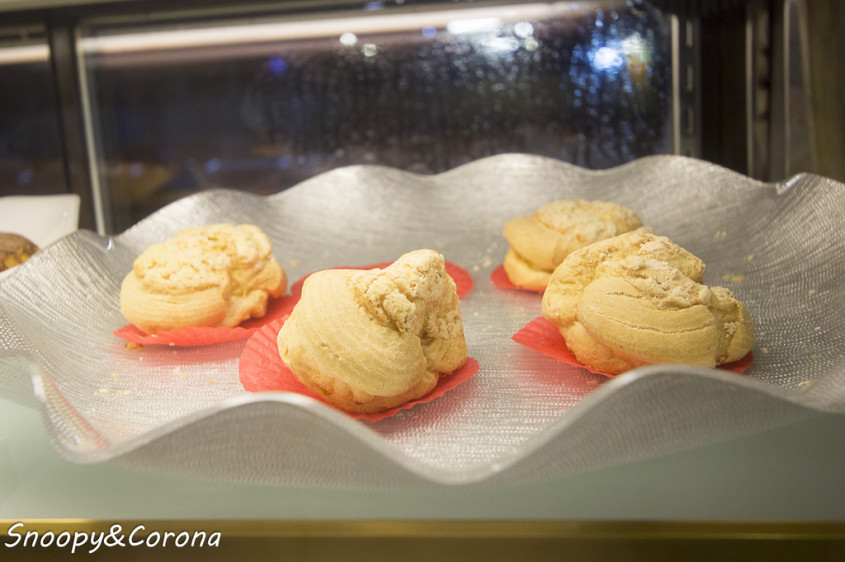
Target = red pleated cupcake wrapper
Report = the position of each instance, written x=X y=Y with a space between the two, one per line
x=261 y=368
x=500 y=279
x=542 y=336
x=276 y=308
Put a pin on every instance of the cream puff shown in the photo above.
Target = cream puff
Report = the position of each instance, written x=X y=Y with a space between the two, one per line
x=540 y=242
x=371 y=340
x=14 y=250
x=218 y=275
x=637 y=299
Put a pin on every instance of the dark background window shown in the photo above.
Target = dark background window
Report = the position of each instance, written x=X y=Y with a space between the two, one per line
x=587 y=83
x=30 y=141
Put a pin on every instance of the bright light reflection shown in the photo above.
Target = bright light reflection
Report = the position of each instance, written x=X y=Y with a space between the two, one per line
x=607 y=58
x=631 y=51
x=500 y=45
x=523 y=29
x=476 y=25
x=476 y=19
x=24 y=53
x=634 y=45
x=348 y=39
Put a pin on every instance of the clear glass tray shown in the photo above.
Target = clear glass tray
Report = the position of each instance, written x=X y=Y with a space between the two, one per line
x=522 y=417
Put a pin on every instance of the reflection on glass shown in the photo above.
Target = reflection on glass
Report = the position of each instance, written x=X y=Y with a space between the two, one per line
x=261 y=107
x=30 y=145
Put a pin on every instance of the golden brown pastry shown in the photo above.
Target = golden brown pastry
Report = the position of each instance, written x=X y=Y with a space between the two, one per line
x=637 y=299
x=540 y=242
x=14 y=250
x=372 y=340
x=217 y=275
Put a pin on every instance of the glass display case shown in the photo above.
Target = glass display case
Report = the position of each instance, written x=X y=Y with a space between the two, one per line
x=133 y=105
x=264 y=103
x=31 y=152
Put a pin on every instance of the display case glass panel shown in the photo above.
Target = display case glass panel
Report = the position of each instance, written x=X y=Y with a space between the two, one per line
x=31 y=157
x=261 y=104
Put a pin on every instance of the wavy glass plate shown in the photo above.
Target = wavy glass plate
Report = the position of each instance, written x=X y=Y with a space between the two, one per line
x=522 y=417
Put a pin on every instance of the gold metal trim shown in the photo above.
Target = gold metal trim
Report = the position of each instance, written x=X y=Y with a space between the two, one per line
x=472 y=529
x=443 y=541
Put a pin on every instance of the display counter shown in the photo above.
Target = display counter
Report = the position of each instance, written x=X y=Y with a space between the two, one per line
x=774 y=493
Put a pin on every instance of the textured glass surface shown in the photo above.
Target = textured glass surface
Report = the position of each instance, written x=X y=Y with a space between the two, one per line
x=524 y=416
x=30 y=142
x=262 y=105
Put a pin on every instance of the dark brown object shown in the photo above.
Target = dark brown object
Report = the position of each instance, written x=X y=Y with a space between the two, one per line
x=14 y=250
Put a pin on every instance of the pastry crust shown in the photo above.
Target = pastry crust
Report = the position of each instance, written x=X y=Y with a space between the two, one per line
x=540 y=242
x=218 y=275
x=371 y=340
x=14 y=250
x=637 y=299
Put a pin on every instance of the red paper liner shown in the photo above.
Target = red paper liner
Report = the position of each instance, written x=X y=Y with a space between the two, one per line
x=500 y=279
x=261 y=369
x=205 y=335
x=463 y=280
x=542 y=336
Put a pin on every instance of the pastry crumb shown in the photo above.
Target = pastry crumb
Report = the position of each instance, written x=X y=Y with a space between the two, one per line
x=733 y=277
x=132 y=346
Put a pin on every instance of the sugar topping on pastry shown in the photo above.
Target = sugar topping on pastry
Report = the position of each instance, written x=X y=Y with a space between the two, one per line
x=372 y=340
x=218 y=275
x=541 y=241
x=637 y=299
